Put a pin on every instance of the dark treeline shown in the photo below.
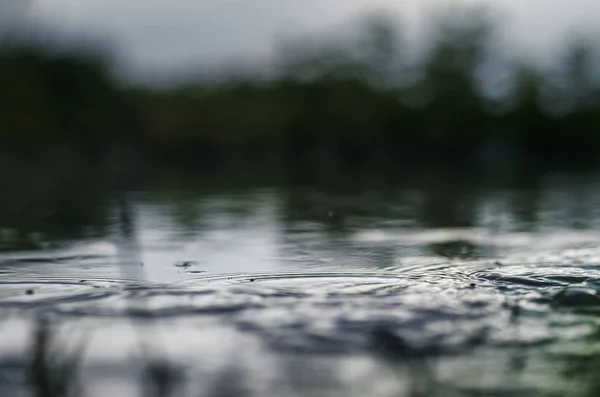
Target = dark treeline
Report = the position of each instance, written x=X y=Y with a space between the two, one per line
x=356 y=99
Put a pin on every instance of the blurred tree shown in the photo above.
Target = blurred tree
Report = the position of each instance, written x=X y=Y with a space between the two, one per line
x=58 y=100
x=579 y=68
x=381 y=47
x=349 y=97
x=305 y=59
x=458 y=44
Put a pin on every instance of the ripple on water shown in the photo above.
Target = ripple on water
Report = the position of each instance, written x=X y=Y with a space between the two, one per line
x=434 y=309
x=52 y=292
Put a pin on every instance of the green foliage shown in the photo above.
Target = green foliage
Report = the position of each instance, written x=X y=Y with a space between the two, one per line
x=350 y=100
x=50 y=99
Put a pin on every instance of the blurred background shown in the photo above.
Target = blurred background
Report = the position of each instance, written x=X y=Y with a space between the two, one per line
x=330 y=85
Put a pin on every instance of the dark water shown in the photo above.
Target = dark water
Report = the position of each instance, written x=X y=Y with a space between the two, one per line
x=434 y=284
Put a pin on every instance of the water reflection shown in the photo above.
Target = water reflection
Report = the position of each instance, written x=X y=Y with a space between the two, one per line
x=437 y=283
x=126 y=241
x=282 y=228
x=51 y=207
x=54 y=368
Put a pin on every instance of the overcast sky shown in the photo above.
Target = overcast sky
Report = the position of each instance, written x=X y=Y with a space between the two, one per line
x=157 y=36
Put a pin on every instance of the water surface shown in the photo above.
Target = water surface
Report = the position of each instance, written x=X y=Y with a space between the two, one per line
x=436 y=284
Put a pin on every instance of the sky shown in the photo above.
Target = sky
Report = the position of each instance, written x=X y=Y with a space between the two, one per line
x=161 y=37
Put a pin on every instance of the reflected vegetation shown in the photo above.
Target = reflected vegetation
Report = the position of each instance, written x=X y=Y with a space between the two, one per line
x=53 y=372
x=453 y=215
x=478 y=246
x=51 y=369
x=56 y=203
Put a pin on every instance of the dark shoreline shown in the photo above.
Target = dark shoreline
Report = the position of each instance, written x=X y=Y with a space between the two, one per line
x=321 y=109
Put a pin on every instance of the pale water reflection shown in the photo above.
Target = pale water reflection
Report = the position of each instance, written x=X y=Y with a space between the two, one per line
x=435 y=285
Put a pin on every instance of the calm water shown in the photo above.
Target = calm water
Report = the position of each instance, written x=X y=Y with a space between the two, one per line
x=435 y=284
